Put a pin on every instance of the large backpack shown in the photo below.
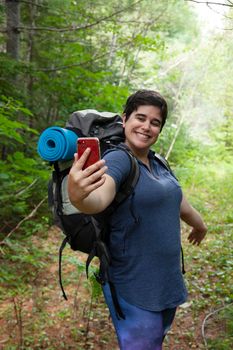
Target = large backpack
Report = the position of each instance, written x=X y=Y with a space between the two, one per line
x=84 y=232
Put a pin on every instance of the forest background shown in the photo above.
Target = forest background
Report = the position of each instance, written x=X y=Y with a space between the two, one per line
x=60 y=56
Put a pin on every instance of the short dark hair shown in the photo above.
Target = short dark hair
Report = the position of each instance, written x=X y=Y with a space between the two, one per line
x=145 y=98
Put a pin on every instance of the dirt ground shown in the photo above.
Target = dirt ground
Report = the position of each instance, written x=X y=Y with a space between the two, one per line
x=93 y=330
x=42 y=319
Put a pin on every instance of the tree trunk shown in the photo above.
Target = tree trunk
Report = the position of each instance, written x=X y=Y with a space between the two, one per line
x=31 y=58
x=13 y=21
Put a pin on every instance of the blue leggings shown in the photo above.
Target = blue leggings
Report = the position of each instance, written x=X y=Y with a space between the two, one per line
x=141 y=329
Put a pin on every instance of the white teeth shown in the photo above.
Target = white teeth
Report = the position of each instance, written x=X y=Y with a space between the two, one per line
x=143 y=136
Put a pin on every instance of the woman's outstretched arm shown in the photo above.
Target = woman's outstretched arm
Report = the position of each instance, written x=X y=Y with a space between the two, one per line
x=193 y=218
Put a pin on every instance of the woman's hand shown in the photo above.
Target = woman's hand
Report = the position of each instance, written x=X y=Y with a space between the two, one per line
x=193 y=218
x=83 y=182
x=196 y=236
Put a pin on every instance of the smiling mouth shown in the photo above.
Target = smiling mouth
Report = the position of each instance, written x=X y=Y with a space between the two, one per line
x=143 y=135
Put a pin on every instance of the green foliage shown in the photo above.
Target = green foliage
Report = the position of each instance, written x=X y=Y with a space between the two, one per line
x=22 y=261
x=11 y=73
x=12 y=129
x=20 y=174
x=95 y=53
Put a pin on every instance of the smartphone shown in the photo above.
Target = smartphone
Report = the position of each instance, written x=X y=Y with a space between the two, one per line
x=93 y=144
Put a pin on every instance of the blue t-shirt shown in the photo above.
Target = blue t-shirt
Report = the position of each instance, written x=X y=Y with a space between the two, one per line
x=145 y=243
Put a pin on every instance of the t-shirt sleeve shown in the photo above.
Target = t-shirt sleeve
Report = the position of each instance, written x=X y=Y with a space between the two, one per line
x=118 y=164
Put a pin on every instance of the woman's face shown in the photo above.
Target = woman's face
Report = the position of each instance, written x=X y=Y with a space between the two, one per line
x=142 y=128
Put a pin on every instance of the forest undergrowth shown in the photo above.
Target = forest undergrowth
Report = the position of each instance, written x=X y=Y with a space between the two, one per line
x=34 y=315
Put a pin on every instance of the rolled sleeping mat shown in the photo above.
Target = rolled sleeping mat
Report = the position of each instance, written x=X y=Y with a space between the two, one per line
x=57 y=144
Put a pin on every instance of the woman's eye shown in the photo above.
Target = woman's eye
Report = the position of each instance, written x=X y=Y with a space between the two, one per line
x=156 y=123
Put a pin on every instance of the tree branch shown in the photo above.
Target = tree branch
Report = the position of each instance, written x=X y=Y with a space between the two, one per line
x=34 y=4
x=29 y=216
x=76 y=28
x=230 y=4
x=205 y=320
x=20 y=192
x=93 y=59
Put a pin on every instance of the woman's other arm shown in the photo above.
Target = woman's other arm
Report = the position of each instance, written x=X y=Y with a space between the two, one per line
x=192 y=217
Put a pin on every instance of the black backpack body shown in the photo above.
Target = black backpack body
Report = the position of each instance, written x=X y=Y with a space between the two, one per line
x=83 y=232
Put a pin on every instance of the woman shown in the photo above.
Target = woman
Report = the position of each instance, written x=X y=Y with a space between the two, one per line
x=145 y=239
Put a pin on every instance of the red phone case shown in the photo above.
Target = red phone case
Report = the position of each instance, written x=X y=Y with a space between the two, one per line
x=93 y=144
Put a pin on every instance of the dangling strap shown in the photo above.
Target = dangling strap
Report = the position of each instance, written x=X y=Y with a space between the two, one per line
x=90 y=257
x=60 y=261
x=97 y=249
x=182 y=259
x=100 y=249
x=119 y=313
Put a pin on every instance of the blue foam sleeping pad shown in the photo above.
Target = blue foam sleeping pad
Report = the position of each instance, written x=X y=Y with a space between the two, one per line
x=57 y=143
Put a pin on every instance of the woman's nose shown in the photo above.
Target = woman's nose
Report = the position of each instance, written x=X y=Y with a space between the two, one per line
x=146 y=125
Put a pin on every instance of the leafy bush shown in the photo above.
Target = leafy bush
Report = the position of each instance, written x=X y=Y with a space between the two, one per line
x=22 y=176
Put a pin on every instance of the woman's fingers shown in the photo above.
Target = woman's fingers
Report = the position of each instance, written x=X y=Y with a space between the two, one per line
x=79 y=162
x=90 y=182
x=82 y=182
x=94 y=185
x=95 y=171
x=195 y=237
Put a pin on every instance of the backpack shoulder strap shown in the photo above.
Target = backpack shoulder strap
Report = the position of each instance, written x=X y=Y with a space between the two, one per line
x=163 y=161
x=128 y=186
